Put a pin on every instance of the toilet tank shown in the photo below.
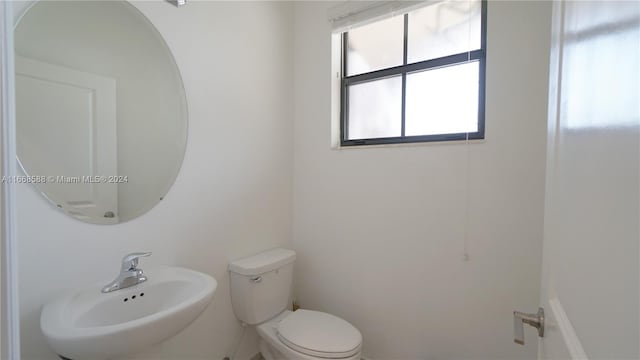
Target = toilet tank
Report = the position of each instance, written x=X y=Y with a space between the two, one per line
x=261 y=285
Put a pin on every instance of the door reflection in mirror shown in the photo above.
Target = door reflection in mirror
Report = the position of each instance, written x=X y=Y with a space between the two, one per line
x=101 y=110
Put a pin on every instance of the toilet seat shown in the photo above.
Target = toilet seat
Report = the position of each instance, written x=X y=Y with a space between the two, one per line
x=319 y=334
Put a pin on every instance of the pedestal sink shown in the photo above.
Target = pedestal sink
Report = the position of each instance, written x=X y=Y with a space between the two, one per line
x=89 y=324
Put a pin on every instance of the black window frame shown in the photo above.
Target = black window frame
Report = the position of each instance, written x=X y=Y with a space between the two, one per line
x=479 y=55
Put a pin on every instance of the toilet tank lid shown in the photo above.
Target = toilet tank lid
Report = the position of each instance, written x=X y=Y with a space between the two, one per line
x=263 y=262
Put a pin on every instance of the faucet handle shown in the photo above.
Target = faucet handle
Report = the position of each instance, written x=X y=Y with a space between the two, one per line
x=130 y=261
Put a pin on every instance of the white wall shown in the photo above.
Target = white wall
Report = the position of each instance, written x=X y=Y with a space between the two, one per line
x=379 y=231
x=232 y=197
x=391 y=263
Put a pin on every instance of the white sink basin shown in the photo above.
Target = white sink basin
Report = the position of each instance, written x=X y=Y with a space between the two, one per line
x=88 y=324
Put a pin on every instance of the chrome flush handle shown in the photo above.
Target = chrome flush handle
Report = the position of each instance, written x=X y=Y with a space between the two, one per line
x=520 y=318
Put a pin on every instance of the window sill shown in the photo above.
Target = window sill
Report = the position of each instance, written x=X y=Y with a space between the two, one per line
x=410 y=144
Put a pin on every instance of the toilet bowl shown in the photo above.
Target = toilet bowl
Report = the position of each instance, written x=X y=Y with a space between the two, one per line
x=260 y=292
x=309 y=335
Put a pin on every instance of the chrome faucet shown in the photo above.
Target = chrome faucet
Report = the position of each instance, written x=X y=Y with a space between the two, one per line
x=129 y=273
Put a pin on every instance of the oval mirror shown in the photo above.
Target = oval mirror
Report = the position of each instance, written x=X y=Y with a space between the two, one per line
x=101 y=115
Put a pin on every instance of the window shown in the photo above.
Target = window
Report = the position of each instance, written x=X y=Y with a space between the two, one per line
x=415 y=77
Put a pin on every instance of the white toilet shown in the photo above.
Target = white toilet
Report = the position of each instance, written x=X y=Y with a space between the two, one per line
x=260 y=289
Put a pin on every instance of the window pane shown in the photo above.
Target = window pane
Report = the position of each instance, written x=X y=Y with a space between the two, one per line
x=442 y=29
x=442 y=101
x=375 y=46
x=375 y=109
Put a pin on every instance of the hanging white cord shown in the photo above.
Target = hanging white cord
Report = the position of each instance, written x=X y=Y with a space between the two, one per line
x=465 y=243
x=465 y=240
